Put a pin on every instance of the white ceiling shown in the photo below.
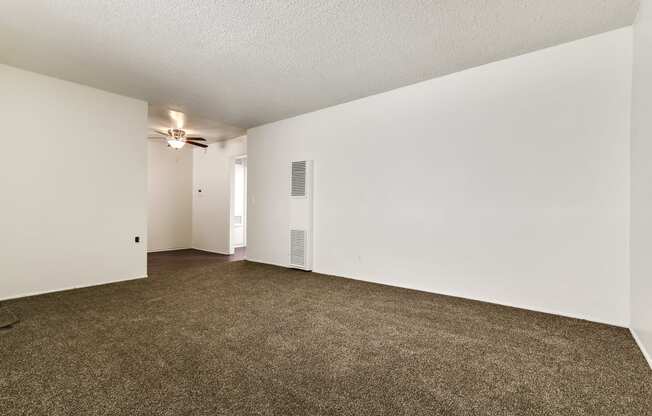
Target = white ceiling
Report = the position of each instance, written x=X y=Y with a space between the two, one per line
x=248 y=62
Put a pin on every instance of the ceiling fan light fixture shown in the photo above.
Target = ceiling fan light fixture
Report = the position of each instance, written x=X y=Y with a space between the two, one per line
x=176 y=143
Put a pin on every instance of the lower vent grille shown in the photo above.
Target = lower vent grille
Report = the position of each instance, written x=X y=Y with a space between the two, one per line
x=298 y=248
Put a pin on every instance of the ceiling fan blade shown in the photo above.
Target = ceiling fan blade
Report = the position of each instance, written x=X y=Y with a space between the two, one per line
x=161 y=132
x=156 y=138
x=195 y=138
x=196 y=144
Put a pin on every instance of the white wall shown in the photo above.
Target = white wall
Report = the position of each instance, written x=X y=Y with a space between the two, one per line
x=641 y=221
x=169 y=193
x=212 y=173
x=73 y=180
x=507 y=183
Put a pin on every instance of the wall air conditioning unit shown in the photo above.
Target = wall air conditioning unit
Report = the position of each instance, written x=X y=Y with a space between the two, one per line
x=301 y=203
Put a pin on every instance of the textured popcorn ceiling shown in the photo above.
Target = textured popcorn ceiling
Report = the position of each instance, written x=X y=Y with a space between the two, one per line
x=248 y=62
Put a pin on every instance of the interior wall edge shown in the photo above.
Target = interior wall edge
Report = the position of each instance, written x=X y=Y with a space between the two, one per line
x=646 y=354
x=640 y=177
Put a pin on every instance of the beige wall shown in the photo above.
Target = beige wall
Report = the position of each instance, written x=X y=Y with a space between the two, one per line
x=73 y=181
x=169 y=194
x=213 y=173
x=507 y=183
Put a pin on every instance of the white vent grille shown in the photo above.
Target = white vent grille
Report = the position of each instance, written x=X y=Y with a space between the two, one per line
x=298 y=248
x=298 y=178
x=301 y=206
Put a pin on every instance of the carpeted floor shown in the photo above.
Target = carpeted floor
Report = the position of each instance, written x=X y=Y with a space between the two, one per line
x=203 y=337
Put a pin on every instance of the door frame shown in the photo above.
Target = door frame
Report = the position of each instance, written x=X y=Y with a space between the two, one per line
x=232 y=246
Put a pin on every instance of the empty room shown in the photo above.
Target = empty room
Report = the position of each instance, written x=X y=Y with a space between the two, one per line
x=416 y=207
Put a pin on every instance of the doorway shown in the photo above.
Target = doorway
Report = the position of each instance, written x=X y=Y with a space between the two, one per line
x=239 y=204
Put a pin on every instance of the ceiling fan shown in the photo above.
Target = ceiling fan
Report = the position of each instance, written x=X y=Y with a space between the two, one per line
x=177 y=138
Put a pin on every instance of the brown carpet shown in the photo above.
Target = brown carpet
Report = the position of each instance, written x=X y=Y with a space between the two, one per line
x=7 y=317
x=201 y=337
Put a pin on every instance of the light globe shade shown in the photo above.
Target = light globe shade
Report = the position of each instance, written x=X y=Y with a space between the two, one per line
x=176 y=144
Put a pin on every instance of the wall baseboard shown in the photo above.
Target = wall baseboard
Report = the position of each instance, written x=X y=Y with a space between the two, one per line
x=646 y=354
x=579 y=316
x=189 y=248
x=168 y=249
x=457 y=295
x=30 y=294
x=224 y=253
x=271 y=264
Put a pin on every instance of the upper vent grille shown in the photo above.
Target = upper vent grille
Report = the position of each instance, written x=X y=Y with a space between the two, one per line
x=298 y=178
x=298 y=248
